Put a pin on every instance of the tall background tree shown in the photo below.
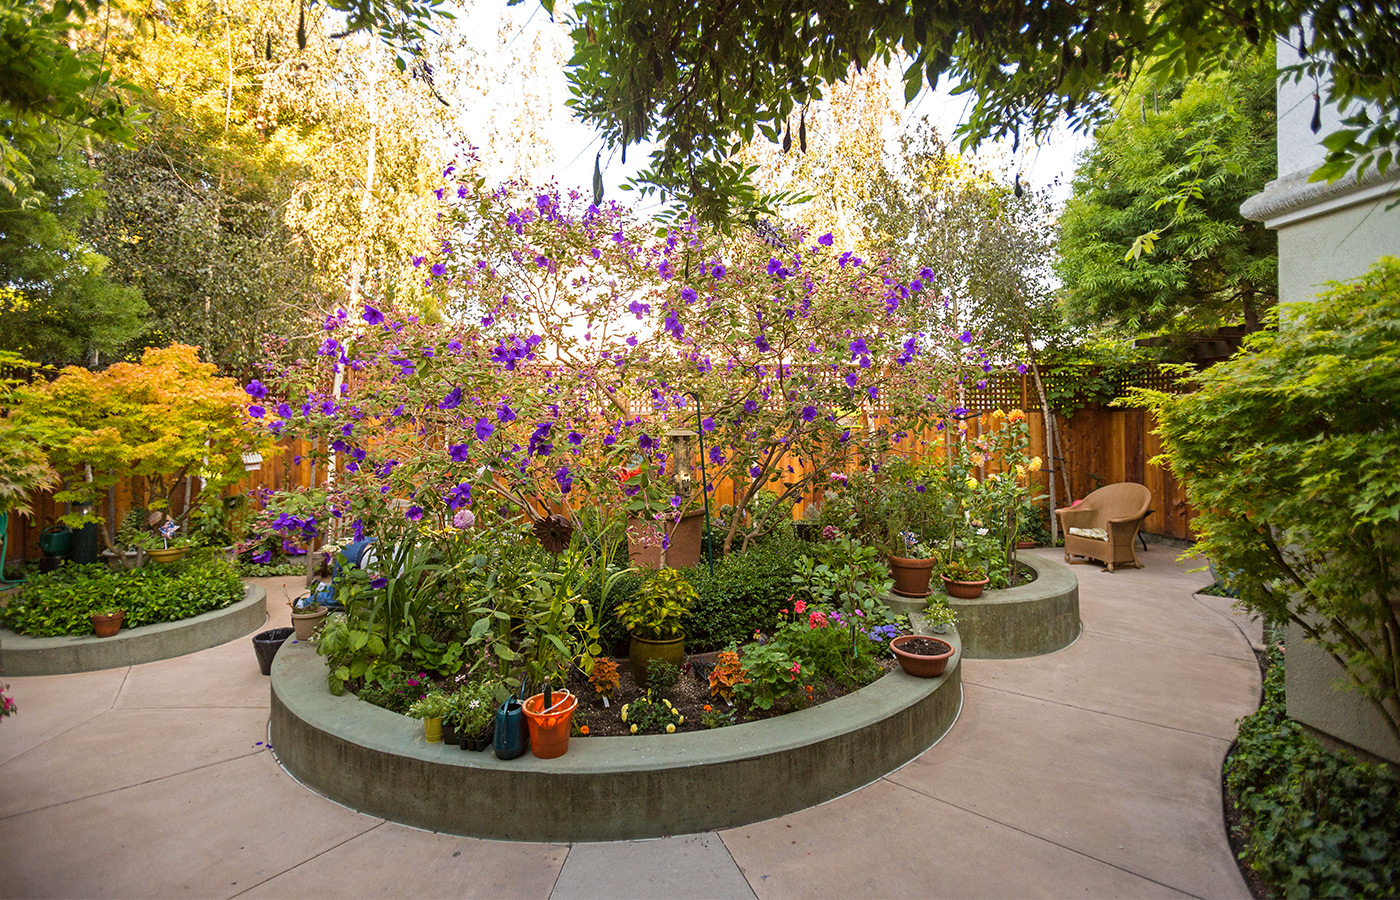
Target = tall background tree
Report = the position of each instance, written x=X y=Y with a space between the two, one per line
x=1175 y=165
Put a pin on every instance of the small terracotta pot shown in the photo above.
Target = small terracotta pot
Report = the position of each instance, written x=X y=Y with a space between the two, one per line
x=641 y=651
x=911 y=576
x=108 y=625
x=917 y=664
x=307 y=623
x=964 y=590
x=1025 y=545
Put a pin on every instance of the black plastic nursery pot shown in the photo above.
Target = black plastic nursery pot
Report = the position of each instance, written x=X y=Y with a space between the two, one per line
x=267 y=643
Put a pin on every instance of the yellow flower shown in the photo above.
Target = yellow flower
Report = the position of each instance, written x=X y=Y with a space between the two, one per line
x=1035 y=464
x=667 y=702
x=670 y=729
x=978 y=459
x=998 y=412
x=680 y=721
x=972 y=483
x=634 y=729
x=624 y=712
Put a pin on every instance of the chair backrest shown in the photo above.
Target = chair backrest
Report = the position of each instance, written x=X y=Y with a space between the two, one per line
x=1115 y=501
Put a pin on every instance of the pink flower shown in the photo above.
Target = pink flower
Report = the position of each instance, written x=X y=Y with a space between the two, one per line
x=816 y=619
x=796 y=668
x=799 y=607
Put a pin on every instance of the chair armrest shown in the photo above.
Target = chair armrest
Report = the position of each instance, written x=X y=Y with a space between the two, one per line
x=1071 y=515
x=1127 y=520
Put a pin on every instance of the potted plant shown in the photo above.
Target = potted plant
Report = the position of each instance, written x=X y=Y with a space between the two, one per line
x=307 y=616
x=911 y=564
x=171 y=548
x=107 y=622
x=430 y=708
x=469 y=718
x=920 y=656
x=939 y=616
x=652 y=618
x=963 y=578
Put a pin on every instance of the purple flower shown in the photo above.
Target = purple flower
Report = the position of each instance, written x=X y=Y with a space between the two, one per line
x=379 y=583
x=1021 y=368
x=852 y=379
x=761 y=342
x=373 y=316
x=826 y=240
x=717 y=272
x=675 y=501
x=716 y=456
x=413 y=513
x=750 y=406
x=707 y=424
x=809 y=413
x=646 y=442
x=872 y=391
x=284 y=410
x=575 y=438
x=262 y=558
x=256 y=411
x=504 y=414
x=965 y=337
x=452 y=400
x=484 y=428
x=858 y=348
x=454 y=346
x=754 y=470
x=688 y=295
x=564 y=478
x=458 y=452
x=255 y=389
x=438 y=269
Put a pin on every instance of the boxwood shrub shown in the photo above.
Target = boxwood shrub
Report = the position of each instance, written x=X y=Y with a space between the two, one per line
x=59 y=602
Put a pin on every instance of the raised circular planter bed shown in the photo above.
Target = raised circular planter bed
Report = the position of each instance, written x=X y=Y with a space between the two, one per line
x=604 y=788
x=21 y=655
x=1030 y=620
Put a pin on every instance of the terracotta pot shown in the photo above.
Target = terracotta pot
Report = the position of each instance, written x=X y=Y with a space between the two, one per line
x=641 y=651
x=549 y=728
x=166 y=555
x=108 y=625
x=307 y=623
x=917 y=664
x=911 y=576
x=1025 y=545
x=964 y=590
x=686 y=548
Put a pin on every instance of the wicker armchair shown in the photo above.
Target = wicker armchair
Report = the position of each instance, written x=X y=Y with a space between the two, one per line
x=1104 y=524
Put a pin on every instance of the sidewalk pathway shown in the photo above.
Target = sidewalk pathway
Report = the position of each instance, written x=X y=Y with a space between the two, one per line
x=1091 y=772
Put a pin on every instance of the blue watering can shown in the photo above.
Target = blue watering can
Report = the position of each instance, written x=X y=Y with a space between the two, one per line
x=512 y=736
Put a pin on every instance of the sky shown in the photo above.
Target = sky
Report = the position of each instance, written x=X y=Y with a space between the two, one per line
x=519 y=86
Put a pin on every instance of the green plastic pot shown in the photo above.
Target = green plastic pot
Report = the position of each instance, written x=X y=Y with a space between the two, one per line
x=641 y=651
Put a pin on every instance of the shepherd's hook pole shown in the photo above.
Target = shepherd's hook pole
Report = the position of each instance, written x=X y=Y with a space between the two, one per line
x=704 y=484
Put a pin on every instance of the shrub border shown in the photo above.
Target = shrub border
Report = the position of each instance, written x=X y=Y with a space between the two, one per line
x=604 y=788
x=21 y=655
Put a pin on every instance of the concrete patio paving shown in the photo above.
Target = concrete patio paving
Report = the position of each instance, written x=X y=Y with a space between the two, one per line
x=1091 y=772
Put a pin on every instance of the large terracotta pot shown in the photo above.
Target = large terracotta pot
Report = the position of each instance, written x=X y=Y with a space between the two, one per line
x=921 y=665
x=641 y=651
x=964 y=590
x=911 y=576
x=685 y=549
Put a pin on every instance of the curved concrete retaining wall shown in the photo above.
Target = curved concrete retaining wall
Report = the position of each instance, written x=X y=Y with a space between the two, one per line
x=604 y=788
x=21 y=655
x=1036 y=618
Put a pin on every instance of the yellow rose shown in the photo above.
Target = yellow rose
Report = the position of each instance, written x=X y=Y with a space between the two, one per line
x=670 y=729
x=998 y=412
x=1035 y=464
x=634 y=729
x=972 y=483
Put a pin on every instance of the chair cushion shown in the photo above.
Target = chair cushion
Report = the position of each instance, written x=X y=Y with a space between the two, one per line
x=1093 y=534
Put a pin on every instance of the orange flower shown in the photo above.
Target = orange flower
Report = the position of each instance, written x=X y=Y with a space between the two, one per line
x=708 y=708
x=583 y=730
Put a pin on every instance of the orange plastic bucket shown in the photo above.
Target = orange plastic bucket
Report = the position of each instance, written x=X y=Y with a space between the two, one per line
x=549 y=728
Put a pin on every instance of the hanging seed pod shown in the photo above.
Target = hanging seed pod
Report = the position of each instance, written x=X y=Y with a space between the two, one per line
x=301 y=27
x=624 y=142
x=787 y=140
x=802 y=132
x=1317 y=114
x=598 y=178
x=1018 y=190
x=267 y=54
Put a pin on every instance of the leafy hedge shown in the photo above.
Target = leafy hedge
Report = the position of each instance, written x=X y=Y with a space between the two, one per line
x=59 y=602
x=745 y=593
x=1319 y=823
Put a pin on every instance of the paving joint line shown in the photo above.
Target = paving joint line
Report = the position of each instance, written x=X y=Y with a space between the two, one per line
x=352 y=837
x=1119 y=637
x=554 y=885
x=738 y=868
x=126 y=787
x=1100 y=712
x=1047 y=840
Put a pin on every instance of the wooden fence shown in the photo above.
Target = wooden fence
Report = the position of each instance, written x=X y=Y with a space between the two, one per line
x=1101 y=446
